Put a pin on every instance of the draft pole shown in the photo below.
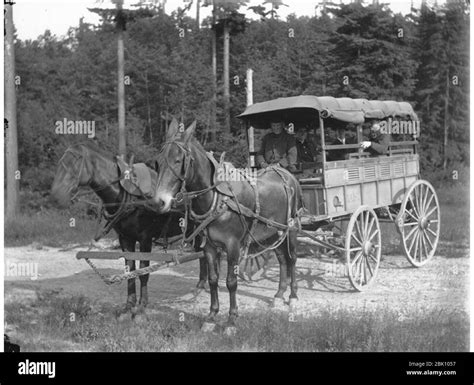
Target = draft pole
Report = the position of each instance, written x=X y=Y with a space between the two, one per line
x=250 y=131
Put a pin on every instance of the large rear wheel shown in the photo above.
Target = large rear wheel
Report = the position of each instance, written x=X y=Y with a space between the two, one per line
x=419 y=223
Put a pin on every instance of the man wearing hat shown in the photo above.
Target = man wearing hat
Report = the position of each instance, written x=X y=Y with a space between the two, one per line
x=278 y=147
x=378 y=142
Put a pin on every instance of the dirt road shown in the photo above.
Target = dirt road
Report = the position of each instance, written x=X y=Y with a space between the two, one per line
x=442 y=283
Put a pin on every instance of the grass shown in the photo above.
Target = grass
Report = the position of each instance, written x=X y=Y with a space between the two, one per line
x=50 y=228
x=95 y=328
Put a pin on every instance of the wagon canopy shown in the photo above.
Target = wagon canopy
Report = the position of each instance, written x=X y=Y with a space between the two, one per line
x=343 y=109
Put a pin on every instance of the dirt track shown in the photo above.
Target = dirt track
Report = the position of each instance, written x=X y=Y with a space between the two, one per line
x=442 y=283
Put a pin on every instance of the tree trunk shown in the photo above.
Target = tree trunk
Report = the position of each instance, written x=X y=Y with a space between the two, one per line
x=226 y=78
x=13 y=184
x=198 y=9
x=121 y=89
x=446 y=105
x=214 y=75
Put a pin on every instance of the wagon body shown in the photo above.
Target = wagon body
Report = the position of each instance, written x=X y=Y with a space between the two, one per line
x=361 y=189
x=338 y=188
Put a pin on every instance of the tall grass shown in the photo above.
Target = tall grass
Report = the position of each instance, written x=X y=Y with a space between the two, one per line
x=95 y=328
x=48 y=228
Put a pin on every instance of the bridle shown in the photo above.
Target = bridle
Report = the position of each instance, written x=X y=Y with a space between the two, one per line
x=82 y=156
x=188 y=161
x=76 y=155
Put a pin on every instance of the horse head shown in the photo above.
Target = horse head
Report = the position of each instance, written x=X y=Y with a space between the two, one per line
x=174 y=165
x=71 y=173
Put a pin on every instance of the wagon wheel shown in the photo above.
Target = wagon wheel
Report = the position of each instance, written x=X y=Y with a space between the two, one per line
x=252 y=267
x=363 y=247
x=419 y=222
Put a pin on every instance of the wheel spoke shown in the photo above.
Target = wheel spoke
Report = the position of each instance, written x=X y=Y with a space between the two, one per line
x=415 y=253
x=431 y=211
x=359 y=231
x=428 y=204
x=373 y=235
x=425 y=199
x=366 y=225
x=356 y=258
x=355 y=249
x=357 y=239
x=413 y=207
x=370 y=268
x=428 y=239
x=420 y=247
x=410 y=224
x=374 y=258
x=361 y=271
x=424 y=245
x=432 y=232
x=412 y=231
x=371 y=225
x=410 y=214
x=418 y=193
x=412 y=242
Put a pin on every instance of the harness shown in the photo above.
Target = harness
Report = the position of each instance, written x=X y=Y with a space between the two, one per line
x=224 y=198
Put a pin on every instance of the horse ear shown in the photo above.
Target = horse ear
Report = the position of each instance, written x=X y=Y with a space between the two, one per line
x=189 y=132
x=156 y=165
x=221 y=160
x=172 y=129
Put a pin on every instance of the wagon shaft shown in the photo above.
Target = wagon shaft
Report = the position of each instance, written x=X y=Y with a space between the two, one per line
x=169 y=256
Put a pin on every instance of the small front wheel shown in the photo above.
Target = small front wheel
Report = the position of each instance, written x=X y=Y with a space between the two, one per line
x=363 y=247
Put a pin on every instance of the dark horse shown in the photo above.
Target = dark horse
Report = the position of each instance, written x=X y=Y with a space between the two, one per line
x=87 y=165
x=225 y=211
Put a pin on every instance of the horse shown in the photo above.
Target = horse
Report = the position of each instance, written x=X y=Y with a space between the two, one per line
x=85 y=165
x=231 y=215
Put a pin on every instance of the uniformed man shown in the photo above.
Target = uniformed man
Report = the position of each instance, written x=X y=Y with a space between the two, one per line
x=305 y=149
x=340 y=139
x=378 y=142
x=278 y=147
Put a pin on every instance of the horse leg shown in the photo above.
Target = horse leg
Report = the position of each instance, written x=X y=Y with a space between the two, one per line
x=213 y=278
x=203 y=274
x=145 y=247
x=233 y=255
x=203 y=271
x=291 y=256
x=283 y=284
x=129 y=245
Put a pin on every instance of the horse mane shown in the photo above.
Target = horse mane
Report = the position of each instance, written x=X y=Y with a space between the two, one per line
x=95 y=148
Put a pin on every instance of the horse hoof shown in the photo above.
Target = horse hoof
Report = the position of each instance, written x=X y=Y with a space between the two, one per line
x=197 y=291
x=208 y=327
x=293 y=304
x=230 y=331
x=141 y=318
x=124 y=317
x=278 y=303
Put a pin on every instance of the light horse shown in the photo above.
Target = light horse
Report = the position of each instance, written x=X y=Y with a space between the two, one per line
x=86 y=165
x=230 y=215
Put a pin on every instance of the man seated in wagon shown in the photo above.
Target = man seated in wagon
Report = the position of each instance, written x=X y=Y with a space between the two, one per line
x=378 y=142
x=341 y=139
x=278 y=147
x=306 y=151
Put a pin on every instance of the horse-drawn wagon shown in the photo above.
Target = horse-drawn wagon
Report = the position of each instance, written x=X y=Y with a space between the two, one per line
x=335 y=205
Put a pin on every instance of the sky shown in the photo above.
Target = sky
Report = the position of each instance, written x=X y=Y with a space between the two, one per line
x=33 y=17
